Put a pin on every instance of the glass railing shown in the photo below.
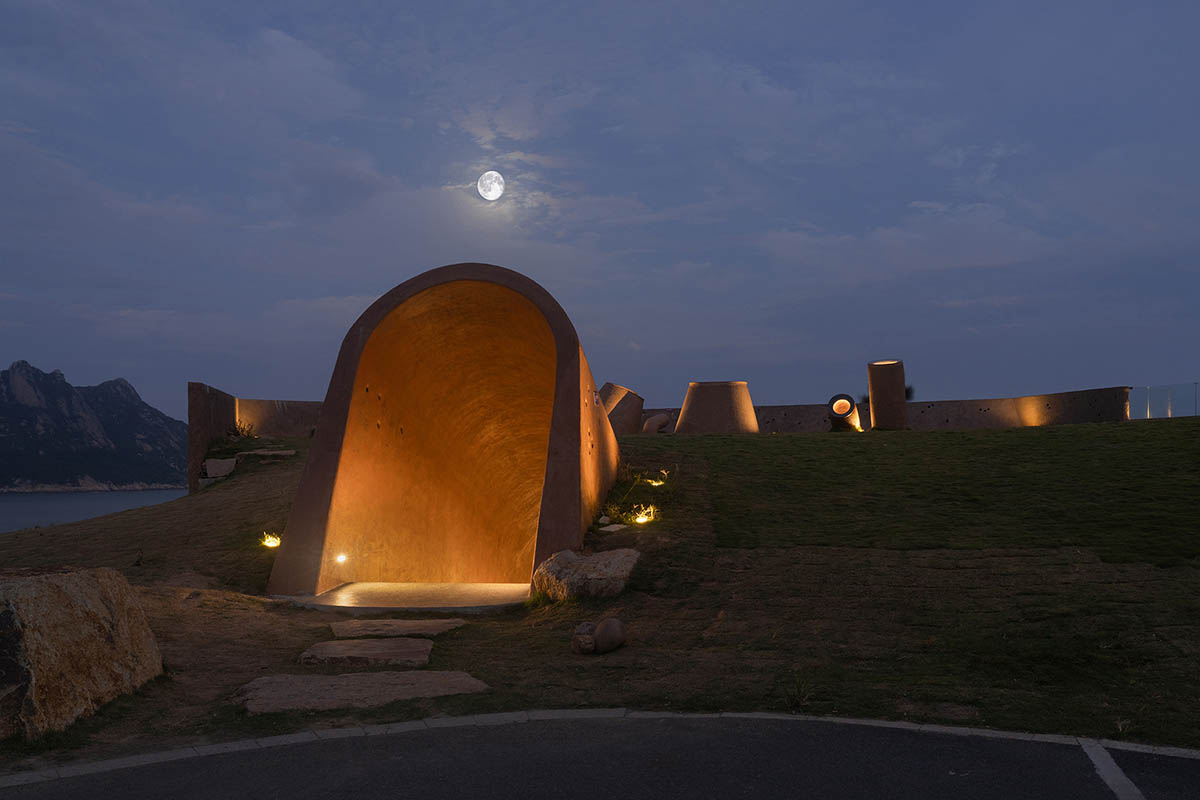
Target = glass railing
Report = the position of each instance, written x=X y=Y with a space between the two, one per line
x=1164 y=400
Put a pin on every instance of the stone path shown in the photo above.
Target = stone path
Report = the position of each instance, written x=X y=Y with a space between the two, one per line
x=397 y=652
x=355 y=690
x=272 y=693
x=353 y=628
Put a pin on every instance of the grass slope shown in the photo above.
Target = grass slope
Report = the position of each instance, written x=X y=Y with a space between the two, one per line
x=1122 y=491
x=1045 y=580
x=214 y=533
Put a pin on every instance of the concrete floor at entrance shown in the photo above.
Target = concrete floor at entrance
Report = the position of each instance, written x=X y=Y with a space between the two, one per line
x=467 y=598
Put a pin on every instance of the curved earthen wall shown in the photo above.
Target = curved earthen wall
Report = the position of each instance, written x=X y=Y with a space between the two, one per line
x=461 y=440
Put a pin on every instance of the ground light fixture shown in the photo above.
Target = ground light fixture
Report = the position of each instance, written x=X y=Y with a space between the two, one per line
x=270 y=539
x=644 y=514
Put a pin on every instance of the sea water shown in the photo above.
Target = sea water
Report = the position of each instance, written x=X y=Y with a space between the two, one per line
x=20 y=510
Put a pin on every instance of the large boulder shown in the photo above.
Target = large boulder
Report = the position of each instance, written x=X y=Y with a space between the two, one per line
x=567 y=574
x=70 y=641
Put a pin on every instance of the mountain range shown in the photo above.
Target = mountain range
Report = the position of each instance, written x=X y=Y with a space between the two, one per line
x=59 y=437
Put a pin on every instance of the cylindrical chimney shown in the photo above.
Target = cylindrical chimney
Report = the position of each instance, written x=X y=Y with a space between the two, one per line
x=885 y=385
x=843 y=413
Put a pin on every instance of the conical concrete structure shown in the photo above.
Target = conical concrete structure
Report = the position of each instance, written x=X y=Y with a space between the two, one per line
x=717 y=407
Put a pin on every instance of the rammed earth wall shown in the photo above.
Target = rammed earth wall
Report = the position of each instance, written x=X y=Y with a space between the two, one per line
x=212 y=413
x=1061 y=408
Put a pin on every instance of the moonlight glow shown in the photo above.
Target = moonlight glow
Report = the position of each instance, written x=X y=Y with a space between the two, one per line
x=491 y=185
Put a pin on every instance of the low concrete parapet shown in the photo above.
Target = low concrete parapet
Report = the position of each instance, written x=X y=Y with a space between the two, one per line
x=1110 y=404
x=1060 y=408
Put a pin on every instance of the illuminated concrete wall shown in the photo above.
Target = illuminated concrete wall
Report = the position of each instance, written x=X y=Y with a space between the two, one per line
x=279 y=417
x=1061 y=408
x=462 y=440
x=212 y=413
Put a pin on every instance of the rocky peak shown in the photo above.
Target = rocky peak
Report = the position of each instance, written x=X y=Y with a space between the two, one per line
x=19 y=384
x=120 y=388
x=53 y=433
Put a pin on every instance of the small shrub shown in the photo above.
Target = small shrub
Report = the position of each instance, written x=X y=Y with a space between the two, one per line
x=800 y=692
x=243 y=430
x=538 y=599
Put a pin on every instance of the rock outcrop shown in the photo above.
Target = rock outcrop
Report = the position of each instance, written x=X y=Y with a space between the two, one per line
x=70 y=641
x=567 y=574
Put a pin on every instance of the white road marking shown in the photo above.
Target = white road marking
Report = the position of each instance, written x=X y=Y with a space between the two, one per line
x=1110 y=773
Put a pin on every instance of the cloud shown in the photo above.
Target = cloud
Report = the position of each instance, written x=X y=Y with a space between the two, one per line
x=939 y=236
x=516 y=156
x=202 y=179
x=324 y=319
x=319 y=180
x=994 y=301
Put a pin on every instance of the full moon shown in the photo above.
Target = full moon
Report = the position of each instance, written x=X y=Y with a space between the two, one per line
x=491 y=185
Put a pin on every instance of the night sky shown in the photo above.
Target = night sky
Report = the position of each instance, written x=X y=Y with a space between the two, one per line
x=1005 y=195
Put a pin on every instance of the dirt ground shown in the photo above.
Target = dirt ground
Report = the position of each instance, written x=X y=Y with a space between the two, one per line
x=1042 y=639
x=977 y=637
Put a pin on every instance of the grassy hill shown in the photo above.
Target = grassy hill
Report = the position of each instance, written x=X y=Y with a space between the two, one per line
x=1045 y=580
x=213 y=533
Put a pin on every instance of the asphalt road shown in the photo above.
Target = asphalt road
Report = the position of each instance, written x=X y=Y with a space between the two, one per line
x=630 y=759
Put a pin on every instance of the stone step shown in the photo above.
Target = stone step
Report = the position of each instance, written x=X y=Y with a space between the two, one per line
x=396 y=652
x=272 y=693
x=356 y=628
